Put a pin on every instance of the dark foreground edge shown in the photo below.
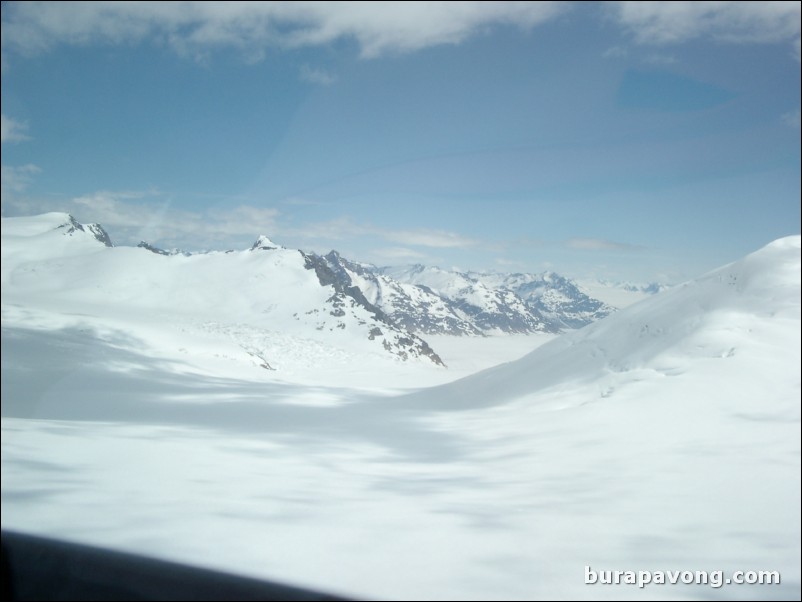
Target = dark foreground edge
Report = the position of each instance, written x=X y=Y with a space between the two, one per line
x=37 y=568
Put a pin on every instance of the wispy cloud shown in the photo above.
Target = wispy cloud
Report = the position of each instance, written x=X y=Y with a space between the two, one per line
x=792 y=119
x=17 y=179
x=659 y=59
x=149 y=215
x=317 y=76
x=146 y=215
x=131 y=216
x=621 y=52
x=256 y=28
x=301 y=202
x=615 y=52
x=440 y=239
x=114 y=207
x=599 y=244
x=195 y=28
x=739 y=22
x=344 y=228
x=12 y=130
x=243 y=219
x=392 y=254
x=509 y=264
x=341 y=228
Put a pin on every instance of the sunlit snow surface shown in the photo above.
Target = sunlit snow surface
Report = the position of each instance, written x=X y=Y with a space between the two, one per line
x=664 y=437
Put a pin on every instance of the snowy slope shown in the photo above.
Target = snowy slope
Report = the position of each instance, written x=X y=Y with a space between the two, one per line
x=666 y=435
x=691 y=325
x=41 y=237
x=258 y=308
x=619 y=294
x=663 y=437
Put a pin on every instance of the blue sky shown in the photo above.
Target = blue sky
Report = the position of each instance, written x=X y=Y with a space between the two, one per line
x=642 y=141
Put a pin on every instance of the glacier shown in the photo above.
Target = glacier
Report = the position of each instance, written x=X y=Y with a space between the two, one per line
x=136 y=414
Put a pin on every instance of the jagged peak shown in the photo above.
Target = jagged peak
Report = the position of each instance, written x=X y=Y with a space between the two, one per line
x=96 y=230
x=265 y=244
x=144 y=245
x=334 y=257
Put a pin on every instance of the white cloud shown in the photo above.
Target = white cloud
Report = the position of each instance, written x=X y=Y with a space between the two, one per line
x=388 y=27
x=113 y=207
x=341 y=228
x=429 y=238
x=792 y=119
x=660 y=59
x=301 y=202
x=510 y=263
x=316 y=76
x=253 y=27
x=615 y=52
x=244 y=219
x=345 y=228
x=668 y=22
x=12 y=130
x=598 y=244
x=17 y=179
x=132 y=216
x=136 y=215
x=398 y=254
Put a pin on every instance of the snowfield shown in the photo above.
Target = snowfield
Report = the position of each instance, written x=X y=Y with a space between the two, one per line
x=138 y=413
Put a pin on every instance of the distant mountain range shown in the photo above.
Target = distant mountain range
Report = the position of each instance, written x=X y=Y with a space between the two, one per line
x=429 y=300
x=329 y=298
x=517 y=302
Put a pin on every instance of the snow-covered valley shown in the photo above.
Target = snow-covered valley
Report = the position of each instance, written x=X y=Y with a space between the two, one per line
x=239 y=411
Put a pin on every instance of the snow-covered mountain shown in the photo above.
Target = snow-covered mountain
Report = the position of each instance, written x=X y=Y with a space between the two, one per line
x=555 y=297
x=670 y=429
x=664 y=437
x=413 y=307
x=489 y=309
x=49 y=235
x=431 y=301
x=253 y=298
x=517 y=302
x=96 y=231
x=725 y=317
